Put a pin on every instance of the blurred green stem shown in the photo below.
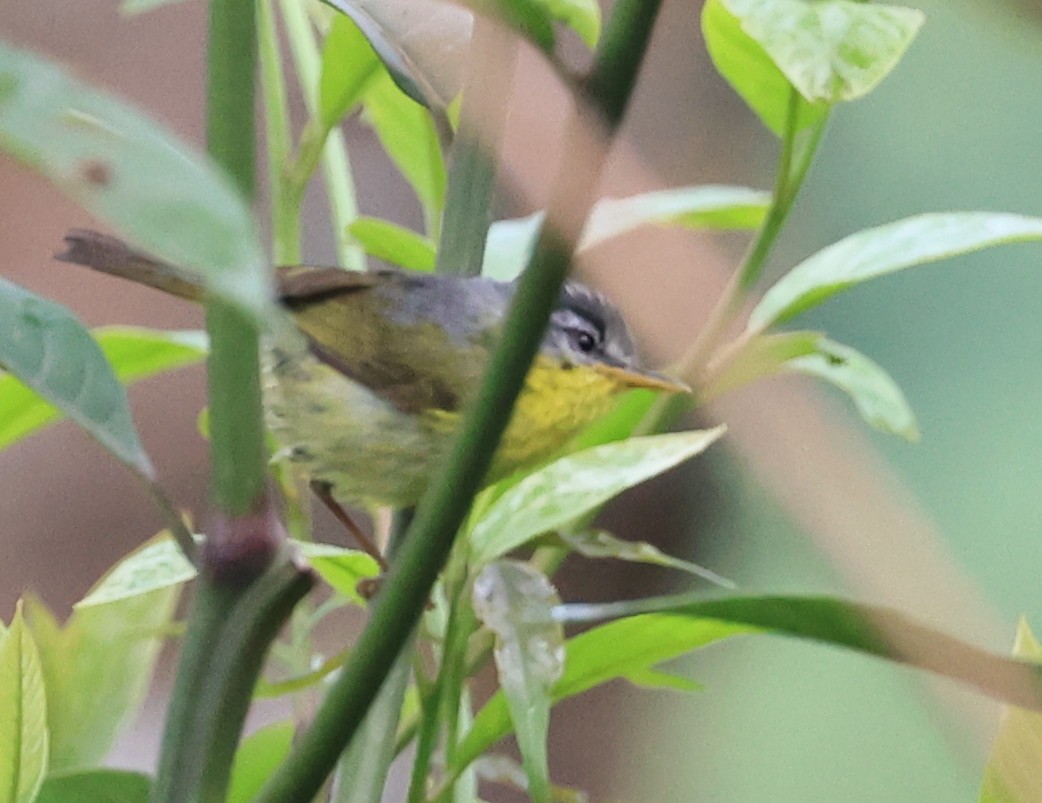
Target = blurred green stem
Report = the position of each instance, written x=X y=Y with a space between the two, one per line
x=315 y=145
x=446 y=502
x=472 y=169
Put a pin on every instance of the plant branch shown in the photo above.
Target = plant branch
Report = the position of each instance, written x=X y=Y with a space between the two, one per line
x=472 y=170
x=444 y=506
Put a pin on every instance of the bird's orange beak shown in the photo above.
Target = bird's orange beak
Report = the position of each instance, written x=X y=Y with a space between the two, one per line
x=642 y=379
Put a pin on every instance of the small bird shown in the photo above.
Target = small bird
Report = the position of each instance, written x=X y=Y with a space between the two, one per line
x=365 y=391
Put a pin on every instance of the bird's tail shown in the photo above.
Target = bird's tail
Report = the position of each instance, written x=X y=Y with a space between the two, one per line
x=111 y=255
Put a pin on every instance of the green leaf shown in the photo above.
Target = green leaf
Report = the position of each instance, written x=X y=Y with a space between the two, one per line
x=762 y=356
x=829 y=51
x=654 y=679
x=530 y=18
x=887 y=249
x=1011 y=775
x=407 y=133
x=97 y=668
x=751 y=72
x=422 y=44
x=23 y=715
x=618 y=650
x=95 y=786
x=348 y=64
x=877 y=397
x=127 y=170
x=160 y=564
x=130 y=7
x=134 y=354
x=341 y=568
x=157 y=564
x=394 y=244
x=510 y=242
x=516 y=603
x=707 y=206
x=49 y=350
x=569 y=487
x=601 y=544
x=256 y=759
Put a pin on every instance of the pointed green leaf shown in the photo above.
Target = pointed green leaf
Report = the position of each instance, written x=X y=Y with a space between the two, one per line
x=422 y=44
x=97 y=668
x=95 y=786
x=394 y=244
x=510 y=242
x=707 y=206
x=617 y=650
x=762 y=356
x=341 y=568
x=348 y=64
x=516 y=603
x=1011 y=775
x=23 y=715
x=571 y=486
x=875 y=394
x=407 y=133
x=601 y=544
x=156 y=564
x=656 y=679
x=127 y=170
x=886 y=249
x=256 y=759
x=49 y=350
x=134 y=354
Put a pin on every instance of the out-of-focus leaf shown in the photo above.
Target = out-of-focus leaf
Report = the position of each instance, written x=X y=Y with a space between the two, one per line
x=594 y=543
x=130 y=7
x=95 y=786
x=255 y=760
x=49 y=350
x=341 y=568
x=655 y=679
x=23 y=715
x=393 y=243
x=348 y=64
x=870 y=629
x=830 y=51
x=1011 y=775
x=752 y=73
x=127 y=170
x=875 y=394
x=619 y=423
x=516 y=603
x=422 y=44
x=97 y=668
x=510 y=242
x=160 y=564
x=530 y=18
x=407 y=133
x=886 y=249
x=707 y=206
x=617 y=650
x=134 y=354
x=569 y=487
x=762 y=356
x=503 y=770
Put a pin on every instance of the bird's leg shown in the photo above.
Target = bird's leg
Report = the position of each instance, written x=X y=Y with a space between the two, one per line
x=324 y=492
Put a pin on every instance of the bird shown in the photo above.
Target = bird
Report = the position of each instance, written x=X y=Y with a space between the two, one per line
x=364 y=390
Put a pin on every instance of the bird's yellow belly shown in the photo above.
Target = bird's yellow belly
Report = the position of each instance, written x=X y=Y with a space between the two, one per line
x=376 y=454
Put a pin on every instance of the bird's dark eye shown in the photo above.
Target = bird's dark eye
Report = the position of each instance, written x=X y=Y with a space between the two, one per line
x=584 y=341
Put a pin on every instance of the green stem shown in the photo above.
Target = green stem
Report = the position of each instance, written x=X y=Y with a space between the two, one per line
x=430 y=538
x=285 y=214
x=336 y=167
x=472 y=170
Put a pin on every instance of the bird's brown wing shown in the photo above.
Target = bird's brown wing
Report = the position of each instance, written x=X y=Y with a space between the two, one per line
x=353 y=324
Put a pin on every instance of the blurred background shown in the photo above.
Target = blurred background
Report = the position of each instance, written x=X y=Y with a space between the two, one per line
x=804 y=498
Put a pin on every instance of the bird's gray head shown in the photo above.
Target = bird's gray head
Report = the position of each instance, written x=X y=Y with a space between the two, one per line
x=587 y=328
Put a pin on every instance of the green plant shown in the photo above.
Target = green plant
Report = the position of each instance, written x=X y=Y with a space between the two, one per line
x=791 y=60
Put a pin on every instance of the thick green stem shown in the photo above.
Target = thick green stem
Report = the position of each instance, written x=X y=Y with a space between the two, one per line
x=446 y=502
x=472 y=170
